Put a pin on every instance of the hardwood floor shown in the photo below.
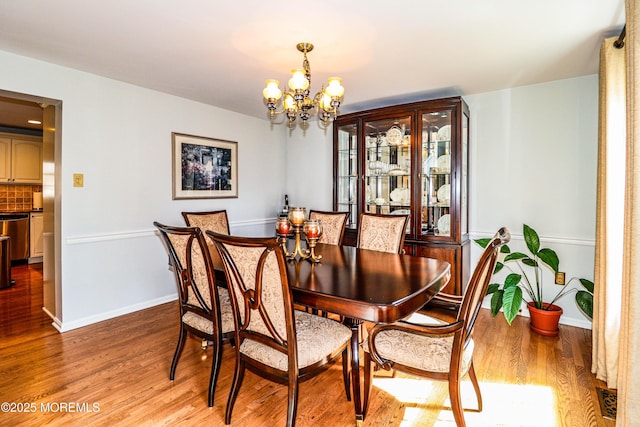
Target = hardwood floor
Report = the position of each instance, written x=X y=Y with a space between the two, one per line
x=116 y=372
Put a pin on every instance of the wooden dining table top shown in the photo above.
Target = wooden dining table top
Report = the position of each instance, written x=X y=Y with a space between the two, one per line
x=364 y=284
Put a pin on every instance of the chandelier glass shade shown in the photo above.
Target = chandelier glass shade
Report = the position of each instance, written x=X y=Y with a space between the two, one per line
x=297 y=102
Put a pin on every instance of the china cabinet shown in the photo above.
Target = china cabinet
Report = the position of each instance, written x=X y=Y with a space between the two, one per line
x=409 y=159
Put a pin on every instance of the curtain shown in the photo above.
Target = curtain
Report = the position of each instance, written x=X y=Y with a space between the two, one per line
x=610 y=205
x=629 y=361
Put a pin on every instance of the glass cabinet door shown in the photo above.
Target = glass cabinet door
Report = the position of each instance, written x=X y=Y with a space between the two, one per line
x=436 y=175
x=387 y=168
x=347 y=172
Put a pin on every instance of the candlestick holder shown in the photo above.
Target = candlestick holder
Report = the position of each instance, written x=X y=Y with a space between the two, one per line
x=300 y=227
x=283 y=229
x=298 y=251
x=313 y=230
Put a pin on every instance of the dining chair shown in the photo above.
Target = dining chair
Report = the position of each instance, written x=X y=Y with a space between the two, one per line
x=205 y=309
x=431 y=347
x=333 y=225
x=384 y=233
x=272 y=339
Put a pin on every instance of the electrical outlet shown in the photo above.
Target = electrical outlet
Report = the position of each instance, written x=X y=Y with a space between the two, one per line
x=560 y=278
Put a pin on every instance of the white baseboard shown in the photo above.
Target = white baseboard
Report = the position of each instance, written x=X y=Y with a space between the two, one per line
x=68 y=326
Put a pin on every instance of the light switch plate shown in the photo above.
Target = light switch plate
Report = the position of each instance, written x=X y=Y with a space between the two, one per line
x=78 y=180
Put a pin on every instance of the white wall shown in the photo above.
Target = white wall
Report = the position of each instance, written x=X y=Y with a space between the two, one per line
x=119 y=137
x=310 y=167
x=532 y=160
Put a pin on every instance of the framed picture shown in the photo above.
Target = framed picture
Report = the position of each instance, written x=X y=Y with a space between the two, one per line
x=204 y=168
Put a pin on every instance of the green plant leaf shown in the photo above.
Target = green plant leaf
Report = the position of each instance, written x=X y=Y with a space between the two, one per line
x=499 y=266
x=511 y=301
x=496 y=302
x=588 y=284
x=505 y=249
x=515 y=256
x=585 y=302
x=531 y=239
x=549 y=257
x=493 y=287
x=530 y=262
x=512 y=280
x=482 y=242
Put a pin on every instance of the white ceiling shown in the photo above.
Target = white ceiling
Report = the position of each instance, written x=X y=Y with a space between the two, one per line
x=220 y=53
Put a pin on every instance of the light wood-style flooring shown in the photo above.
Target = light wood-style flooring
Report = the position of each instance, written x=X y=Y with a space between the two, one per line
x=116 y=373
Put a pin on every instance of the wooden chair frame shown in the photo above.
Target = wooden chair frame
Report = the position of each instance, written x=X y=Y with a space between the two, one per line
x=253 y=305
x=185 y=280
x=468 y=307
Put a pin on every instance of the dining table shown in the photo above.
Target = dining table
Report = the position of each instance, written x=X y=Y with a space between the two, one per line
x=363 y=285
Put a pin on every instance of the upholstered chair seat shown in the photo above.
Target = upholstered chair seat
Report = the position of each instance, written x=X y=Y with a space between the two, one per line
x=206 y=325
x=426 y=353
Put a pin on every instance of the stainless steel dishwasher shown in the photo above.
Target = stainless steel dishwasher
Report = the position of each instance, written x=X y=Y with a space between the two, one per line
x=16 y=226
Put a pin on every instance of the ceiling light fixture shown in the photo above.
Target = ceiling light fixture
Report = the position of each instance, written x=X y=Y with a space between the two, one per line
x=296 y=102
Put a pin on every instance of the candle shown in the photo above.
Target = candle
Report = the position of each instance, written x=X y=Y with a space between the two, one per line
x=283 y=226
x=312 y=229
x=297 y=216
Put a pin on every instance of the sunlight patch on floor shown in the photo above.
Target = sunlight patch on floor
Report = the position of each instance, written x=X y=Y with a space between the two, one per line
x=504 y=405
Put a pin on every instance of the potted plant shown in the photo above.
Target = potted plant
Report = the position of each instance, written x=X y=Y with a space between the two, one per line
x=519 y=286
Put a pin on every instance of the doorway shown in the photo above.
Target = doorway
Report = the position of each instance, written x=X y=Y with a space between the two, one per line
x=40 y=285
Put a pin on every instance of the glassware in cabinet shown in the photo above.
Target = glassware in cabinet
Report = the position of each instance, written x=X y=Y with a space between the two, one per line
x=387 y=168
x=436 y=178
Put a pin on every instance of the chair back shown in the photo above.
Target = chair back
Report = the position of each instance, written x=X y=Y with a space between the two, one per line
x=479 y=281
x=216 y=221
x=333 y=225
x=261 y=300
x=193 y=269
x=384 y=233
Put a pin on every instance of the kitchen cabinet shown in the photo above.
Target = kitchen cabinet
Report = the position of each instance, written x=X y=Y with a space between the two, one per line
x=409 y=159
x=20 y=159
x=36 y=225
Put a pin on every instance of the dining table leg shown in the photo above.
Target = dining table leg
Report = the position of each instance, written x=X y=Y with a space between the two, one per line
x=356 y=326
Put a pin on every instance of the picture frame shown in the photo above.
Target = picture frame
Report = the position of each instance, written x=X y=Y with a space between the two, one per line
x=203 y=168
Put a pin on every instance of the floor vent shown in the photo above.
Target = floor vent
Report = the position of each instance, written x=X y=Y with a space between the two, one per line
x=608 y=400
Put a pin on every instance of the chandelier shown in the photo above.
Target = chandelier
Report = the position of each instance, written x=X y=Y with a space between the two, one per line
x=296 y=102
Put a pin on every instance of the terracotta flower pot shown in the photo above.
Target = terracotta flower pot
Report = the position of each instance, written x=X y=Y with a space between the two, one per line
x=545 y=322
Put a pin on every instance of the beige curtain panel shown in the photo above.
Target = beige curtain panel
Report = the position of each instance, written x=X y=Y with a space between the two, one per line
x=629 y=361
x=610 y=205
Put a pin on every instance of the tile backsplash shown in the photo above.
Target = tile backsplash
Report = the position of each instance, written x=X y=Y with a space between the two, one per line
x=17 y=198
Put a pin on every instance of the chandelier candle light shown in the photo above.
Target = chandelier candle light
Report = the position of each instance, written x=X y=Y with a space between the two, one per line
x=298 y=223
x=296 y=102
